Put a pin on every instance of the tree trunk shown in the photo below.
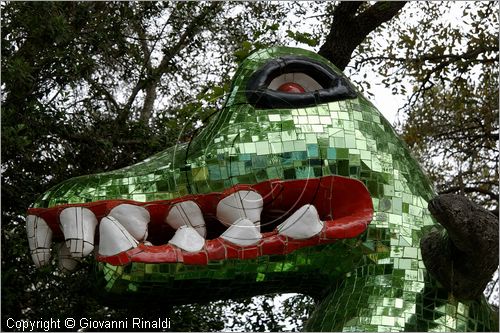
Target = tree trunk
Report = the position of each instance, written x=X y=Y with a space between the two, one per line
x=348 y=30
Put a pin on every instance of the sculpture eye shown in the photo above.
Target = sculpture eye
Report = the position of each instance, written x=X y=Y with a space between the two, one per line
x=292 y=81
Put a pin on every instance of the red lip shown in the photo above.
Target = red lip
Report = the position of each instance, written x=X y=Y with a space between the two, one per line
x=344 y=204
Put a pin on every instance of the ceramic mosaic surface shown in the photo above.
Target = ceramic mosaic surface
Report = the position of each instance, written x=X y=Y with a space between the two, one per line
x=357 y=251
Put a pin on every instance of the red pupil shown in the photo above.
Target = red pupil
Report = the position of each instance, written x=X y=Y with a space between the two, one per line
x=291 y=87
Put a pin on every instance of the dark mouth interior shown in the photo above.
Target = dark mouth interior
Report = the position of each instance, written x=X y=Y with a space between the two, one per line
x=334 y=197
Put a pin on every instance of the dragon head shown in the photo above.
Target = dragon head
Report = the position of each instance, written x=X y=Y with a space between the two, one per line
x=298 y=184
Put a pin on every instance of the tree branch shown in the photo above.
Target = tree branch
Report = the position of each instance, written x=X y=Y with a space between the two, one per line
x=194 y=27
x=150 y=87
x=348 y=30
x=140 y=83
x=109 y=97
x=377 y=14
x=433 y=58
x=151 y=81
x=143 y=41
x=469 y=56
x=457 y=189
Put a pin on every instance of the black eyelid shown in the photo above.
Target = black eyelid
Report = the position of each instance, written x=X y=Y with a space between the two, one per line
x=336 y=88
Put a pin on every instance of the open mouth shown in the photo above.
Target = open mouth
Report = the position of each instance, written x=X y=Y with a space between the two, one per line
x=274 y=217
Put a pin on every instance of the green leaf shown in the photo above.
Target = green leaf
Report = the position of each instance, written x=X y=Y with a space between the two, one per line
x=303 y=37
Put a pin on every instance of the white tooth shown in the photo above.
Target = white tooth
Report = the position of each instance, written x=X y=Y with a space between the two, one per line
x=66 y=261
x=242 y=232
x=114 y=238
x=304 y=223
x=39 y=239
x=187 y=213
x=134 y=218
x=187 y=239
x=78 y=225
x=240 y=205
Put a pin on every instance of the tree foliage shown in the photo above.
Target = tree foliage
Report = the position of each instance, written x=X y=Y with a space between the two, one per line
x=448 y=63
x=94 y=86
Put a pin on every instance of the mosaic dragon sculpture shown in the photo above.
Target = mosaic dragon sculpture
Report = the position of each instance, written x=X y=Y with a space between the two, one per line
x=298 y=184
